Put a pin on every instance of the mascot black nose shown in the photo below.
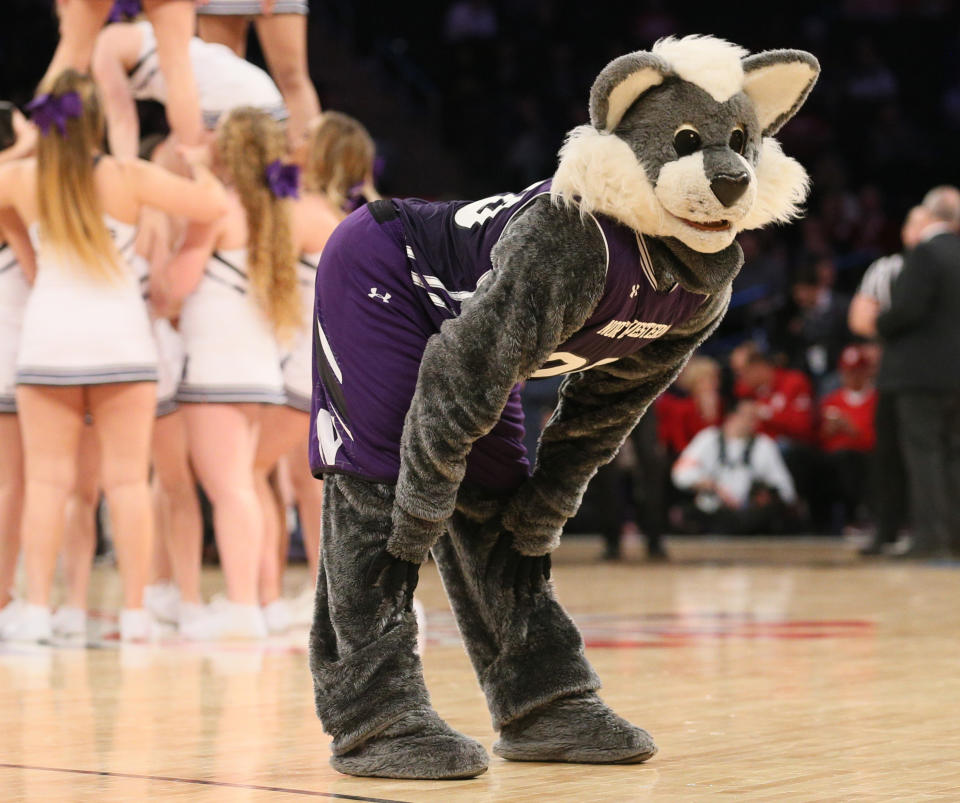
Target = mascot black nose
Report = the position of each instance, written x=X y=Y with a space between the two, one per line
x=728 y=189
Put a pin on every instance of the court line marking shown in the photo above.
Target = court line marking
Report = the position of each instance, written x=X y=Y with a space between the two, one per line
x=201 y=782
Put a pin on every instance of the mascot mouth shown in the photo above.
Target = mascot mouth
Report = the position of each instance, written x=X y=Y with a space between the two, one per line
x=709 y=225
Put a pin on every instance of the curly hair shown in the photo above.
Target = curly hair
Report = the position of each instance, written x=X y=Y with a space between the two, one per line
x=247 y=141
x=70 y=211
x=340 y=155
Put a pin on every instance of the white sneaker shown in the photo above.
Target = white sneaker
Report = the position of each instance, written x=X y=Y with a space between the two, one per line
x=163 y=601
x=277 y=616
x=421 y=614
x=136 y=624
x=69 y=622
x=9 y=612
x=31 y=623
x=196 y=622
x=228 y=620
x=301 y=607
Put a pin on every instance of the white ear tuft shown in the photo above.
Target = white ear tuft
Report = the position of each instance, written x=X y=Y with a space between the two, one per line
x=715 y=65
x=782 y=186
x=626 y=92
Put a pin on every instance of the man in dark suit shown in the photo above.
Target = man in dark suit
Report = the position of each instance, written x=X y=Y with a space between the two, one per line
x=921 y=364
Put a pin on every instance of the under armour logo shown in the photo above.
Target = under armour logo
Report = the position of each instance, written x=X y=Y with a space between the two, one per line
x=634 y=290
x=385 y=298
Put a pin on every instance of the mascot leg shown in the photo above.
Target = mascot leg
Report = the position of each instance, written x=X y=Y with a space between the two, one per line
x=528 y=655
x=368 y=680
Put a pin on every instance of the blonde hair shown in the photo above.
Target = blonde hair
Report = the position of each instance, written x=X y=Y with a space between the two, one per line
x=247 y=141
x=70 y=212
x=340 y=155
x=697 y=369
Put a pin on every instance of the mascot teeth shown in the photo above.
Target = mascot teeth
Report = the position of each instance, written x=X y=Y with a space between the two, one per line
x=704 y=225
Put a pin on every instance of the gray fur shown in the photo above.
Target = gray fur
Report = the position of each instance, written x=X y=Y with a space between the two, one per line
x=597 y=410
x=419 y=745
x=649 y=125
x=614 y=74
x=526 y=652
x=771 y=58
x=544 y=288
x=580 y=729
x=709 y=274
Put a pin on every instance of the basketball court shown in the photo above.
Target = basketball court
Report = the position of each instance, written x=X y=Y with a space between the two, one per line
x=765 y=670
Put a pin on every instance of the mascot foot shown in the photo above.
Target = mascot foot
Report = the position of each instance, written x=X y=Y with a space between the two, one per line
x=581 y=730
x=419 y=745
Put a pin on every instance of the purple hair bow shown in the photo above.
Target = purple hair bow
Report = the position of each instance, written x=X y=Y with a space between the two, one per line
x=124 y=10
x=283 y=180
x=49 y=110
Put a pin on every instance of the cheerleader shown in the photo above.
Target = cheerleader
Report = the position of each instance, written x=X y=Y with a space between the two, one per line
x=86 y=344
x=173 y=21
x=241 y=291
x=282 y=30
x=126 y=69
x=16 y=270
x=337 y=156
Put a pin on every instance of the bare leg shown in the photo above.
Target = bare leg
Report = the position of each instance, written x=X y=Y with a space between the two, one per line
x=184 y=535
x=283 y=38
x=283 y=426
x=80 y=541
x=80 y=22
x=309 y=492
x=222 y=29
x=123 y=416
x=11 y=502
x=173 y=22
x=223 y=442
x=51 y=421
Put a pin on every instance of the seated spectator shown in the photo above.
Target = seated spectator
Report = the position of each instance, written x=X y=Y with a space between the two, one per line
x=847 y=433
x=739 y=482
x=785 y=401
x=692 y=404
x=784 y=398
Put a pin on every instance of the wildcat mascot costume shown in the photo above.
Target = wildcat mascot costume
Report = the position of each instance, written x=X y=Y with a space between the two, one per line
x=428 y=317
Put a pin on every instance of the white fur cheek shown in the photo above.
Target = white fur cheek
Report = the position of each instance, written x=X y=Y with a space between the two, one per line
x=782 y=186
x=683 y=190
x=603 y=172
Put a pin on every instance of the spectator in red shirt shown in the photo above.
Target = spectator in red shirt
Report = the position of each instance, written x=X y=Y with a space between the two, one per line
x=785 y=404
x=848 y=436
x=784 y=398
x=697 y=405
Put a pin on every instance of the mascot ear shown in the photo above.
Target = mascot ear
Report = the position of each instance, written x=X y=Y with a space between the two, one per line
x=620 y=83
x=778 y=82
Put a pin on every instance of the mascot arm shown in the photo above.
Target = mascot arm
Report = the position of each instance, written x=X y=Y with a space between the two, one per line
x=597 y=410
x=549 y=273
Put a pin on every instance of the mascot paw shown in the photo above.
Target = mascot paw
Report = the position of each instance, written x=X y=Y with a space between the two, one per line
x=419 y=745
x=525 y=574
x=580 y=729
x=396 y=578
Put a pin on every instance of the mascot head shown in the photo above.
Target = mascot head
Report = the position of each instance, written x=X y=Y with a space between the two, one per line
x=681 y=142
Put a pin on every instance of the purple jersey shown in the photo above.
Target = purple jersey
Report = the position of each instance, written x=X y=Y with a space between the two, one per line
x=383 y=288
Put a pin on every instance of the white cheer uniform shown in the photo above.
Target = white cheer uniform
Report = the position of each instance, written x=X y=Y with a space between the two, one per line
x=81 y=329
x=232 y=355
x=14 y=291
x=297 y=365
x=224 y=80
x=251 y=8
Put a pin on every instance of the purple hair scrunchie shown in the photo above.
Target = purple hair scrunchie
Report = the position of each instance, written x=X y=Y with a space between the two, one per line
x=50 y=110
x=283 y=180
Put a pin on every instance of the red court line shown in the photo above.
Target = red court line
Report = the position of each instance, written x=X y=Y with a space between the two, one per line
x=201 y=782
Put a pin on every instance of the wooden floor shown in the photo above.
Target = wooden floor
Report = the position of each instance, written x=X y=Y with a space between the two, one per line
x=764 y=671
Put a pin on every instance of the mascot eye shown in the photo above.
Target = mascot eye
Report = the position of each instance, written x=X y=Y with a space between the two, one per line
x=686 y=141
x=738 y=140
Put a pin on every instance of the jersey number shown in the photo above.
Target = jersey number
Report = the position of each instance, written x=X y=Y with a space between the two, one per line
x=563 y=362
x=481 y=211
